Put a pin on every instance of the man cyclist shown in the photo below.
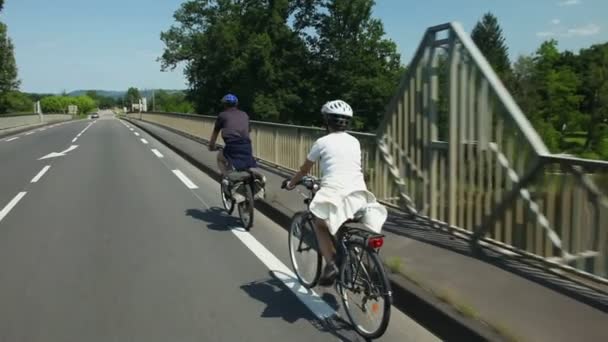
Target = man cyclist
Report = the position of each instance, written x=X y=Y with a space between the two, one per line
x=343 y=192
x=234 y=126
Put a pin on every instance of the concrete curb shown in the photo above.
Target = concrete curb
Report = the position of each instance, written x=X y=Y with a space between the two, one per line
x=28 y=128
x=420 y=304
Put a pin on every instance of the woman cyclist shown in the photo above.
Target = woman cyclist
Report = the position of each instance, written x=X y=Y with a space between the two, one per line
x=343 y=193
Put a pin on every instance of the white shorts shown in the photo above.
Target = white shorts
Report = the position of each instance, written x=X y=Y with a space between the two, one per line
x=336 y=208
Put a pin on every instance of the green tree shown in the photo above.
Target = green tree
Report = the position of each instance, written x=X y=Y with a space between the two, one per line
x=243 y=47
x=8 y=68
x=175 y=102
x=281 y=71
x=17 y=102
x=1 y=5
x=132 y=96
x=54 y=104
x=59 y=104
x=488 y=36
x=594 y=70
x=355 y=62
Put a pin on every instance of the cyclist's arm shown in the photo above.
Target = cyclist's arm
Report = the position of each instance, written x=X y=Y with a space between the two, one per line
x=213 y=139
x=216 y=131
x=304 y=170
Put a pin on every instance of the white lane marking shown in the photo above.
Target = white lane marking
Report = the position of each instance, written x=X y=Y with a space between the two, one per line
x=32 y=132
x=74 y=140
x=41 y=173
x=131 y=129
x=308 y=297
x=144 y=141
x=11 y=139
x=11 y=205
x=59 y=154
x=157 y=153
x=137 y=134
x=189 y=184
x=42 y=129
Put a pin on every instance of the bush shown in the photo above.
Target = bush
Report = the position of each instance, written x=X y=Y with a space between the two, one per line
x=59 y=104
x=16 y=102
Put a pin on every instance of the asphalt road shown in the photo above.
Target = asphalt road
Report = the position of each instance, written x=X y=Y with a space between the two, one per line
x=113 y=237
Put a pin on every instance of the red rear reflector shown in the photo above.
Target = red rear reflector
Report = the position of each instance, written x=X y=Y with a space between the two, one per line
x=375 y=242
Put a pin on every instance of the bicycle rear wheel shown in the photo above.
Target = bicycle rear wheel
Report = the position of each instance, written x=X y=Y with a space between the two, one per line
x=247 y=207
x=304 y=250
x=227 y=199
x=365 y=291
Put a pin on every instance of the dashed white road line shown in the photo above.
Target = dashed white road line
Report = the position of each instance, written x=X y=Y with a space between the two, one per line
x=40 y=174
x=187 y=182
x=74 y=140
x=11 y=139
x=7 y=209
x=144 y=141
x=157 y=153
x=308 y=297
x=31 y=132
x=137 y=134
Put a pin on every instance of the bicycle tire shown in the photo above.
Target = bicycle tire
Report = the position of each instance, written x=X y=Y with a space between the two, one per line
x=247 y=207
x=300 y=223
x=385 y=292
x=227 y=201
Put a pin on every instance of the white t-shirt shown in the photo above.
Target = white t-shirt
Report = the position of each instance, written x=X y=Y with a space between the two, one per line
x=340 y=157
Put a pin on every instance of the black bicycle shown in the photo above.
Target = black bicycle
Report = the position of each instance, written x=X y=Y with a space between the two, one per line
x=362 y=282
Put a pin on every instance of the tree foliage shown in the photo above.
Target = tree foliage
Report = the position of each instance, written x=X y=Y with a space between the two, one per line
x=132 y=96
x=8 y=69
x=282 y=71
x=175 y=102
x=104 y=102
x=487 y=35
x=565 y=94
x=59 y=104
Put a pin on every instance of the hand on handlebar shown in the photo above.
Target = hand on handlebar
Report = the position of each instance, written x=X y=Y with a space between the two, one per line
x=287 y=185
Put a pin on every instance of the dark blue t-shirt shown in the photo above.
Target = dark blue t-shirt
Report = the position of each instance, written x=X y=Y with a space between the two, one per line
x=234 y=124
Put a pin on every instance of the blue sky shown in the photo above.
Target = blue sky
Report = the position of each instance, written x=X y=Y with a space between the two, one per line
x=112 y=44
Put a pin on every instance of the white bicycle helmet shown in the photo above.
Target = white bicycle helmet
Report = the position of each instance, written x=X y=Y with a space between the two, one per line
x=337 y=115
x=337 y=107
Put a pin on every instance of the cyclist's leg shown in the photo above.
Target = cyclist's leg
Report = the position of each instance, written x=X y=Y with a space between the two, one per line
x=328 y=251
x=326 y=245
x=222 y=163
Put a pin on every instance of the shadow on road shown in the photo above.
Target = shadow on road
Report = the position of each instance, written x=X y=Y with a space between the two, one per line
x=282 y=303
x=215 y=218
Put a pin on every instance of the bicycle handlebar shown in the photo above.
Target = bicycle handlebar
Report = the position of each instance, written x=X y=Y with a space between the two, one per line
x=310 y=182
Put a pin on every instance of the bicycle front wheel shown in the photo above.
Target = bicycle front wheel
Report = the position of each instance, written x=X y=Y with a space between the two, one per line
x=365 y=291
x=247 y=207
x=304 y=250
x=226 y=198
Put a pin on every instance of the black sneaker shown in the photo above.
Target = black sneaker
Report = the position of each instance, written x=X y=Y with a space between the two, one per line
x=329 y=275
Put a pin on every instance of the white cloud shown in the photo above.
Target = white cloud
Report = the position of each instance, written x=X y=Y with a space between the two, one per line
x=569 y=3
x=555 y=21
x=545 y=34
x=587 y=30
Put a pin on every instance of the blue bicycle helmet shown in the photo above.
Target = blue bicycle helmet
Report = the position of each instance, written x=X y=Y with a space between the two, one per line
x=230 y=99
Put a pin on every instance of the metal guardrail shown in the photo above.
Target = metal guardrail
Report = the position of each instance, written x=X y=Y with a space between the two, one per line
x=455 y=148
x=461 y=153
x=285 y=146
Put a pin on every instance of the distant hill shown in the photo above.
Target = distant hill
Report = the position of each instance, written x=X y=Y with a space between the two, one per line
x=118 y=94
x=105 y=93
